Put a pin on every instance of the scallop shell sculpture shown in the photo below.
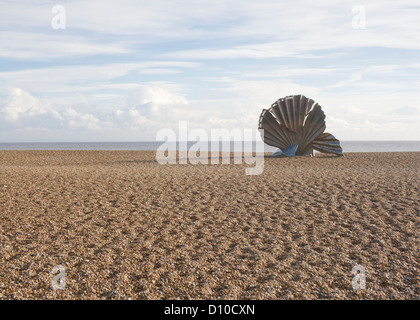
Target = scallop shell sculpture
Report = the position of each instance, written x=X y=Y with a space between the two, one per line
x=295 y=125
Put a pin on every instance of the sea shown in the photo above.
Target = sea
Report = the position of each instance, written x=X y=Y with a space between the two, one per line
x=348 y=146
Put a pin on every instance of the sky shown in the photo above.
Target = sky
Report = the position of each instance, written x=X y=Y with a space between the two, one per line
x=123 y=70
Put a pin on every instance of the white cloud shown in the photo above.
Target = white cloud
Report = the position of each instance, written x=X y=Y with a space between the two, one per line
x=153 y=108
x=263 y=29
x=150 y=108
x=153 y=94
x=21 y=104
x=135 y=66
x=33 y=46
x=77 y=120
x=82 y=78
x=409 y=109
x=352 y=78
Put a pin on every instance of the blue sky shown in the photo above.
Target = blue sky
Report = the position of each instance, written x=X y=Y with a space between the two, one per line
x=122 y=70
